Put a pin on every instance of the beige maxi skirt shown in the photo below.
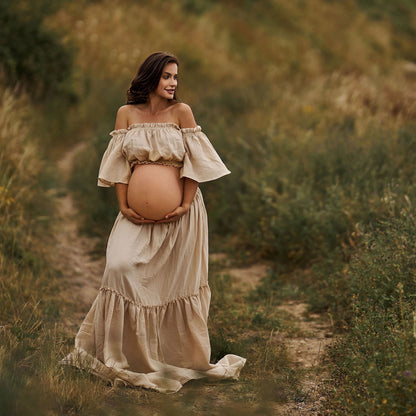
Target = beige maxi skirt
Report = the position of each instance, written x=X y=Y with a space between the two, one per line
x=148 y=324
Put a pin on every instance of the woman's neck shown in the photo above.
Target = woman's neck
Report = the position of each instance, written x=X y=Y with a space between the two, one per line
x=156 y=104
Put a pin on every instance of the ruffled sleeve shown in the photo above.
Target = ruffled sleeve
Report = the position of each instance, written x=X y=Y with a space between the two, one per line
x=201 y=162
x=114 y=166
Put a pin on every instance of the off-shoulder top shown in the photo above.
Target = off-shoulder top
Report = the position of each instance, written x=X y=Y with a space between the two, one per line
x=160 y=143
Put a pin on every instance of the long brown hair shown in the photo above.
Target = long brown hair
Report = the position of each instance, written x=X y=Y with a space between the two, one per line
x=148 y=77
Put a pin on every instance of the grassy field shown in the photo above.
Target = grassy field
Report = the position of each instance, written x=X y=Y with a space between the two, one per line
x=312 y=107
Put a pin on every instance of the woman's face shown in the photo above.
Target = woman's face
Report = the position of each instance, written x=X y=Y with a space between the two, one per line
x=168 y=81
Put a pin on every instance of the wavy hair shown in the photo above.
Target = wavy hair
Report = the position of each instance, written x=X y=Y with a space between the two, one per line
x=148 y=77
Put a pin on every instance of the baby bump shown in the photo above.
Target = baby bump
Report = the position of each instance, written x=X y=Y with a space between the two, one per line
x=154 y=190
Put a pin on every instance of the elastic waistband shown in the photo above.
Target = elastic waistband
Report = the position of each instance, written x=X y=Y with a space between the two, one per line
x=173 y=163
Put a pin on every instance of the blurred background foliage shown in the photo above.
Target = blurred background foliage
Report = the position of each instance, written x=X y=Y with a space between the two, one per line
x=31 y=55
x=311 y=105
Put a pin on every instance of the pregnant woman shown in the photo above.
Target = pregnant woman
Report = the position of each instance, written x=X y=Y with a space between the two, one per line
x=148 y=325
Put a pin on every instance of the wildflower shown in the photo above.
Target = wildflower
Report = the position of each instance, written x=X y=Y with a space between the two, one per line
x=308 y=109
x=5 y=197
x=414 y=324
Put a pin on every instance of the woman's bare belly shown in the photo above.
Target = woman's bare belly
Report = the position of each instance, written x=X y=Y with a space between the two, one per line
x=154 y=190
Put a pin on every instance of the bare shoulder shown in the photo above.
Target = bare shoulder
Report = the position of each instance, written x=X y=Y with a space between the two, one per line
x=184 y=115
x=122 y=117
x=124 y=110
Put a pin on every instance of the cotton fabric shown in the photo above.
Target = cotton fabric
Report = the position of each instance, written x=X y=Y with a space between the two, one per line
x=148 y=324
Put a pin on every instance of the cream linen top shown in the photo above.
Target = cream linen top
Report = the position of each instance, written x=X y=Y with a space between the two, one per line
x=160 y=143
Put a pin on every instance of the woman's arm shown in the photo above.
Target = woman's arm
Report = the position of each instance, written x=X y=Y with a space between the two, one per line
x=186 y=120
x=189 y=190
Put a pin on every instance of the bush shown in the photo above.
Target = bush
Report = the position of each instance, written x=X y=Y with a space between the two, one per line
x=374 y=362
x=296 y=201
x=32 y=56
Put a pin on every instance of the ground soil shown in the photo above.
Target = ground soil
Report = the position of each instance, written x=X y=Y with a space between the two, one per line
x=81 y=271
x=82 y=274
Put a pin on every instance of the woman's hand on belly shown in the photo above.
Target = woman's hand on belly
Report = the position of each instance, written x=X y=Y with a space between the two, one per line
x=134 y=217
x=175 y=214
x=190 y=187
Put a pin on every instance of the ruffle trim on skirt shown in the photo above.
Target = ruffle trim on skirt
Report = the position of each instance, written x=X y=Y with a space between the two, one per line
x=100 y=345
x=168 y=379
x=164 y=304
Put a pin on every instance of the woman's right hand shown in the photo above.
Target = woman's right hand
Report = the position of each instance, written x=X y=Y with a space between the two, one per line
x=134 y=217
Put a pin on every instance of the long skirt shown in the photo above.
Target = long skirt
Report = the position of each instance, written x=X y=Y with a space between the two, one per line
x=147 y=326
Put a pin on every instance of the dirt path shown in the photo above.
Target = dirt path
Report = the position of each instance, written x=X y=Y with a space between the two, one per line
x=307 y=351
x=82 y=274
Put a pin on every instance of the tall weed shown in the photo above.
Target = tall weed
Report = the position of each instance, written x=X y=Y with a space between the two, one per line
x=27 y=283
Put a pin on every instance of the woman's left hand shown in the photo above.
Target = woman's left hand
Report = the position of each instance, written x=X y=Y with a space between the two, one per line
x=175 y=214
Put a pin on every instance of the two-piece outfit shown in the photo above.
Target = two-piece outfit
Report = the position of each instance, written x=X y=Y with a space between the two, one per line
x=148 y=324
